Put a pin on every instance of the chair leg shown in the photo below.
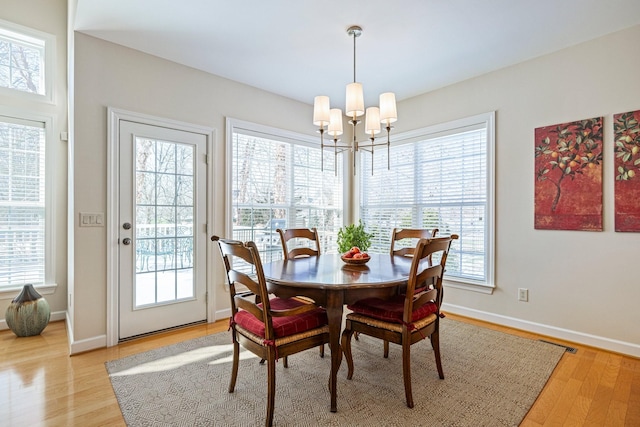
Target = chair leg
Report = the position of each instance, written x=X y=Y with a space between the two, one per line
x=322 y=350
x=406 y=370
x=234 y=368
x=435 y=343
x=346 y=349
x=285 y=361
x=271 y=387
x=386 y=349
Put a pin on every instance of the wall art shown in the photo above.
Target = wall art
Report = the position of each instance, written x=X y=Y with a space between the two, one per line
x=568 y=184
x=626 y=136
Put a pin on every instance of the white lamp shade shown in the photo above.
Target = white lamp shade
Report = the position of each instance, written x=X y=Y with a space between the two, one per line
x=388 y=112
x=335 y=122
x=321 y=110
x=355 y=100
x=372 y=121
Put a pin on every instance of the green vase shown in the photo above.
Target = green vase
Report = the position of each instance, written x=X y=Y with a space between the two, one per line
x=28 y=314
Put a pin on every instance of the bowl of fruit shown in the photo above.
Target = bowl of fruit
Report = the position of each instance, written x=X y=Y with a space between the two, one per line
x=355 y=256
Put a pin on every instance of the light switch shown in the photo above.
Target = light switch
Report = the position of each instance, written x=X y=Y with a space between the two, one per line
x=91 y=219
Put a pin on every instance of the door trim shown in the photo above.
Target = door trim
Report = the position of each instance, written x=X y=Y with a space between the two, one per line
x=114 y=116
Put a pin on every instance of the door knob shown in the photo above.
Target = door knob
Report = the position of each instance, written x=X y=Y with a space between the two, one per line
x=126 y=241
x=126 y=225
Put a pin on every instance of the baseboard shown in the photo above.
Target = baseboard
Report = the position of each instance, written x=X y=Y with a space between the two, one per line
x=55 y=316
x=604 y=343
x=100 y=341
x=87 y=344
x=81 y=346
x=222 y=314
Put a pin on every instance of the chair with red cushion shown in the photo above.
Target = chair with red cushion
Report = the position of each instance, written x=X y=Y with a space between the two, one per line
x=268 y=327
x=403 y=243
x=291 y=239
x=293 y=242
x=405 y=319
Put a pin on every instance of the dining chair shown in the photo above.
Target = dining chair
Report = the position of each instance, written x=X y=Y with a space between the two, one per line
x=289 y=237
x=310 y=235
x=406 y=248
x=405 y=319
x=268 y=327
x=408 y=238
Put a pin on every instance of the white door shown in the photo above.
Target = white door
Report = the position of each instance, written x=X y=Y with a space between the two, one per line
x=162 y=233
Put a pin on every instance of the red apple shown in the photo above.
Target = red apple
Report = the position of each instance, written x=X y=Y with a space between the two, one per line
x=365 y=255
x=358 y=256
x=355 y=250
x=348 y=255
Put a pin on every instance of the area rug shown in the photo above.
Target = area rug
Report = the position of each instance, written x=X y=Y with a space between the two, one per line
x=491 y=379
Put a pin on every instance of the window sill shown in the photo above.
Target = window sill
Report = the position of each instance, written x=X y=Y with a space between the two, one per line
x=12 y=292
x=470 y=286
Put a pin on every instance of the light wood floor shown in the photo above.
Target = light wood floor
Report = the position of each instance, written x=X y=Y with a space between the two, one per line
x=40 y=384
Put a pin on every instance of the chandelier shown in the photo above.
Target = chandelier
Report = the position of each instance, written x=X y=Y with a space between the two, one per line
x=324 y=115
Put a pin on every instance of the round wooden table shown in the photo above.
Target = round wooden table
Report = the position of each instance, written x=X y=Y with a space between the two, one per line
x=332 y=283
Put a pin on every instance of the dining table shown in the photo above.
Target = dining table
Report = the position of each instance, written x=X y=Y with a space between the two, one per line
x=331 y=283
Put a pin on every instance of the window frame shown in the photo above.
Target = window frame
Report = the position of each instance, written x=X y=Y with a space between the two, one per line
x=19 y=32
x=49 y=286
x=484 y=119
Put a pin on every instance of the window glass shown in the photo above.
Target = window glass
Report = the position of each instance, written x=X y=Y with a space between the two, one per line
x=438 y=178
x=22 y=62
x=278 y=182
x=22 y=202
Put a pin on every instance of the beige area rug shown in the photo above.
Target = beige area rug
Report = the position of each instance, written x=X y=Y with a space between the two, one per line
x=491 y=379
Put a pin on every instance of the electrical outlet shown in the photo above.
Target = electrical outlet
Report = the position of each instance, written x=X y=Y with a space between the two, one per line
x=523 y=294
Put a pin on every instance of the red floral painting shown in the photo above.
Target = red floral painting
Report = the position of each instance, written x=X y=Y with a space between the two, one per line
x=568 y=187
x=626 y=134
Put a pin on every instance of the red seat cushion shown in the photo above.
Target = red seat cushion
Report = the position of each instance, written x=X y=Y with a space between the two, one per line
x=283 y=326
x=390 y=310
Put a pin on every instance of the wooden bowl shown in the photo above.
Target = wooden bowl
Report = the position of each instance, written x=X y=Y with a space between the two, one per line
x=356 y=261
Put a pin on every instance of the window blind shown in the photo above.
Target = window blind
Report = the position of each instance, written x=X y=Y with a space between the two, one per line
x=278 y=183
x=22 y=202
x=434 y=182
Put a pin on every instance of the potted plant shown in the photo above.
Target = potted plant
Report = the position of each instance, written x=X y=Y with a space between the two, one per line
x=353 y=235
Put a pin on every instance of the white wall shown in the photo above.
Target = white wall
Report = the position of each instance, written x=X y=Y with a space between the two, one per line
x=49 y=16
x=583 y=286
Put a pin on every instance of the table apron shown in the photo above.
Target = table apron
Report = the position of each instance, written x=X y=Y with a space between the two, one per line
x=320 y=296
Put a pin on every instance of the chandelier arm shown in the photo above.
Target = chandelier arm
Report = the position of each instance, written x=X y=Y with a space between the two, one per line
x=372 y=150
x=388 y=147
x=335 y=156
x=321 y=148
x=354 y=122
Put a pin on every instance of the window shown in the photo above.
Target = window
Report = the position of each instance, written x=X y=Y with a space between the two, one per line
x=23 y=207
x=25 y=66
x=441 y=177
x=277 y=182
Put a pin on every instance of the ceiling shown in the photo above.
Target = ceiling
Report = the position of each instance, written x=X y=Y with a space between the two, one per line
x=300 y=49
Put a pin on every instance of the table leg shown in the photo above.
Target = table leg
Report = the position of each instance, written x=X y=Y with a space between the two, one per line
x=334 y=315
